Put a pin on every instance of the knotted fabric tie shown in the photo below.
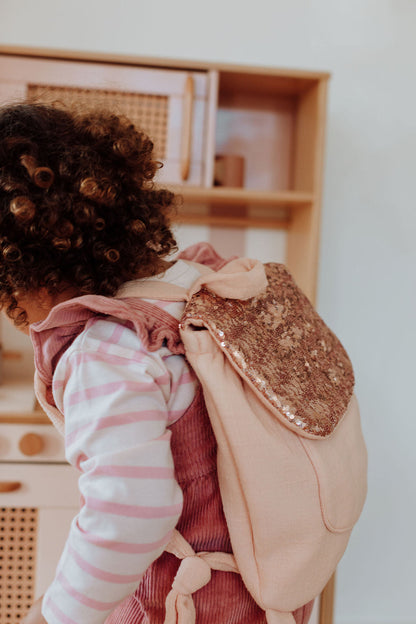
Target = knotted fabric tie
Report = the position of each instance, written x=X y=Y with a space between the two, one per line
x=193 y=573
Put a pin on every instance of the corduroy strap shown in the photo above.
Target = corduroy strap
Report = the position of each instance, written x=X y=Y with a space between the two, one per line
x=193 y=573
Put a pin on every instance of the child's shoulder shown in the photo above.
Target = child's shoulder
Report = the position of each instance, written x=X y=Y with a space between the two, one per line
x=107 y=334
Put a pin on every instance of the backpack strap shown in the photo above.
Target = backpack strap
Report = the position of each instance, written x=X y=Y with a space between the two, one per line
x=242 y=278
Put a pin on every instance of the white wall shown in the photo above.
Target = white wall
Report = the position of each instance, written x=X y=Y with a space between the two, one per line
x=368 y=252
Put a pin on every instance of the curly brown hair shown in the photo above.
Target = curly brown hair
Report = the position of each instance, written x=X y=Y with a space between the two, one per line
x=78 y=205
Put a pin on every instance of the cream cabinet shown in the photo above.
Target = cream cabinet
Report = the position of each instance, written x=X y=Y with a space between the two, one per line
x=38 y=500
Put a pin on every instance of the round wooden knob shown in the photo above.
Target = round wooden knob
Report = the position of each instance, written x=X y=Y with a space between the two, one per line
x=31 y=444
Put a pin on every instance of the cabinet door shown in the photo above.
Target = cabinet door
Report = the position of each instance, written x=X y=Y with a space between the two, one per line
x=37 y=504
x=169 y=105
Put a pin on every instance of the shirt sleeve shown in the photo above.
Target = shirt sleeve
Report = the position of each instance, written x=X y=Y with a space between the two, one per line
x=115 y=398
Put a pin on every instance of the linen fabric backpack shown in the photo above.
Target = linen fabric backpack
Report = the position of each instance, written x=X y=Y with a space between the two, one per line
x=292 y=462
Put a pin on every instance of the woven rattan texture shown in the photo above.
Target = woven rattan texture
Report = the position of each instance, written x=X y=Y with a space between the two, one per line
x=18 y=530
x=148 y=112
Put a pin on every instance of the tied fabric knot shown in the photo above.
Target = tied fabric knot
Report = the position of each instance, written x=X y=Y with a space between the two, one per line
x=193 y=573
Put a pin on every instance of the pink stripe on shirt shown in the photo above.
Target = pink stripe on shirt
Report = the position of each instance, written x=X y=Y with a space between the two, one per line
x=134 y=472
x=187 y=377
x=129 y=418
x=110 y=577
x=133 y=511
x=86 y=394
x=163 y=379
x=128 y=548
x=113 y=339
x=82 y=357
x=49 y=603
x=88 y=602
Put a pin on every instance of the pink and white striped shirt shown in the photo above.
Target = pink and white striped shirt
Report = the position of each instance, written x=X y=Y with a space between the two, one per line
x=118 y=400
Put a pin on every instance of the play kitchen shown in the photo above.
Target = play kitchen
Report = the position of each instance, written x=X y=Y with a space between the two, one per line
x=244 y=148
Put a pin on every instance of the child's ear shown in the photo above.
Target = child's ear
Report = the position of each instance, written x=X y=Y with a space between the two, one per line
x=36 y=305
x=47 y=301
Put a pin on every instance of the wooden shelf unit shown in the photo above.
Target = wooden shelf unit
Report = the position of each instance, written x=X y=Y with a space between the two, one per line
x=274 y=118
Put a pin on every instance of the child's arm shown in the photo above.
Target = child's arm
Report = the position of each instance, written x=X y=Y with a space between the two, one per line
x=115 y=399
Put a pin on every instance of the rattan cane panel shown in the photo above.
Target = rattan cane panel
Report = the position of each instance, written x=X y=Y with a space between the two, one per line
x=18 y=530
x=148 y=112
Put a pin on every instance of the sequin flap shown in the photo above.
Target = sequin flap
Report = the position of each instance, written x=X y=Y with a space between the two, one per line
x=283 y=349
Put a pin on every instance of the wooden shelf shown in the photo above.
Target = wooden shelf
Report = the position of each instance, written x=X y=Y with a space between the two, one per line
x=189 y=218
x=240 y=208
x=34 y=417
x=243 y=197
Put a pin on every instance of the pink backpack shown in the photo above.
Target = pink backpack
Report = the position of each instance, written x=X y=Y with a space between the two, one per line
x=292 y=462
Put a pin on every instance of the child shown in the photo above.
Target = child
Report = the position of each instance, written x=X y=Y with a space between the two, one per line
x=81 y=216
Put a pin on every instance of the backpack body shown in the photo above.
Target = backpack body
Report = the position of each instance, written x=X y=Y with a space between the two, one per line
x=292 y=461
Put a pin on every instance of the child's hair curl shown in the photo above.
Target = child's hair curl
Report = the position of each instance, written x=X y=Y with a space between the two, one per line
x=78 y=205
